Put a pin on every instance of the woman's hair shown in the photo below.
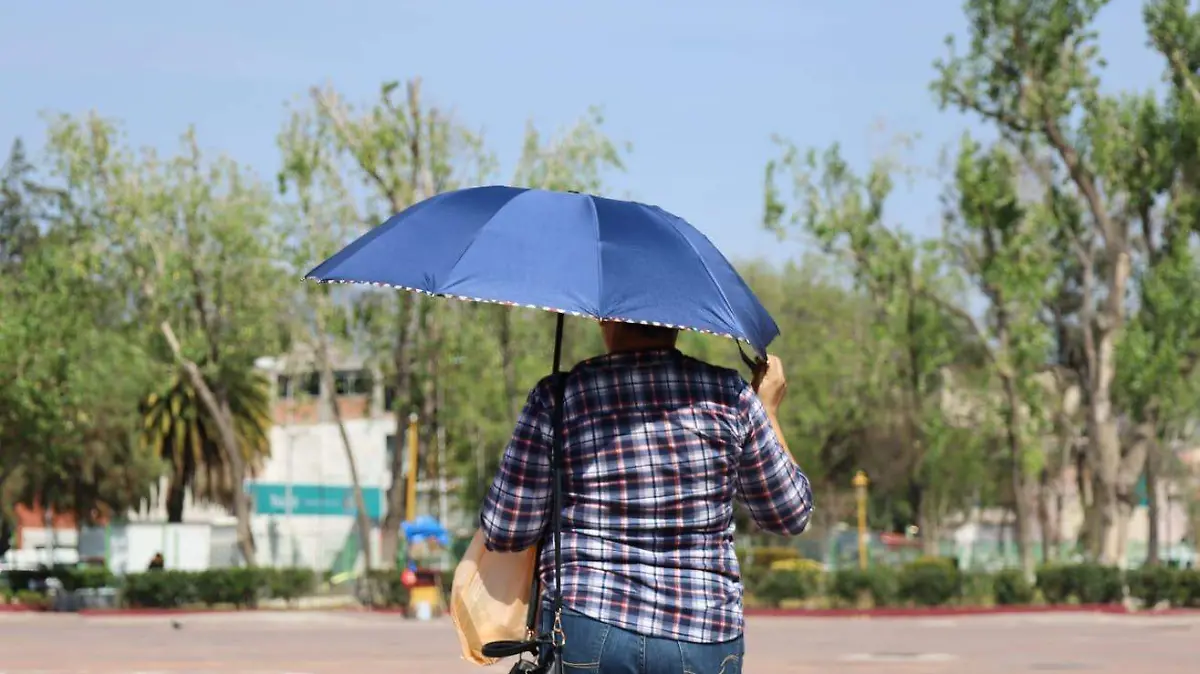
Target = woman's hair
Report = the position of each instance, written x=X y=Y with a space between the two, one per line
x=655 y=333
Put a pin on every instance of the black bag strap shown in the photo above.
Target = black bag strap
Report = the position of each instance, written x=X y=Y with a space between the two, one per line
x=557 y=468
x=545 y=645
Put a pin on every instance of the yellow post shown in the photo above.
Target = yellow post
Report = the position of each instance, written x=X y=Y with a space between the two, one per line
x=410 y=504
x=860 y=483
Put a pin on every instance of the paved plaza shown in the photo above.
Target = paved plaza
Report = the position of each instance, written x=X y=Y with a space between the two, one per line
x=362 y=643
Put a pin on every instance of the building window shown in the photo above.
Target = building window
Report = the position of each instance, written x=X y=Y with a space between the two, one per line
x=352 y=382
x=283 y=387
x=310 y=384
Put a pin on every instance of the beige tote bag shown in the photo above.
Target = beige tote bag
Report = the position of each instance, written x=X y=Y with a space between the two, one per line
x=489 y=600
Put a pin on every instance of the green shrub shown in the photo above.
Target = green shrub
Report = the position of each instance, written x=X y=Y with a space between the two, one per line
x=87 y=578
x=239 y=586
x=290 y=584
x=978 y=588
x=767 y=556
x=776 y=586
x=387 y=588
x=1011 y=588
x=1153 y=584
x=1053 y=582
x=852 y=586
x=26 y=580
x=1096 y=584
x=1187 y=590
x=32 y=599
x=752 y=578
x=1085 y=583
x=159 y=589
x=929 y=581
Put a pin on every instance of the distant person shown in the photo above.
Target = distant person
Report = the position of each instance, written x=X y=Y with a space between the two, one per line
x=156 y=562
x=657 y=448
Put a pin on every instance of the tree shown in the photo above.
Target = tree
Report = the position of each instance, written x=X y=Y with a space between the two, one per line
x=177 y=427
x=1031 y=71
x=1162 y=344
x=324 y=215
x=407 y=151
x=905 y=287
x=181 y=239
x=25 y=208
x=68 y=406
x=1001 y=244
x=403 y=151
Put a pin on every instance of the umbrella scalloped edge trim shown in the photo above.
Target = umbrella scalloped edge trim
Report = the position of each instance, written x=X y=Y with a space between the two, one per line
x=518 y=305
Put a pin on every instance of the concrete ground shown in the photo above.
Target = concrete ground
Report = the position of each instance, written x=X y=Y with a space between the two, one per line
x=360 y=643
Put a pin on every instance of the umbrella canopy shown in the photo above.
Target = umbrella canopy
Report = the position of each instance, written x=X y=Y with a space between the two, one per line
x=564 y=252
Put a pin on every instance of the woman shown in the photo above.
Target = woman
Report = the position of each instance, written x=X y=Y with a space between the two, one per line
x=657 y=447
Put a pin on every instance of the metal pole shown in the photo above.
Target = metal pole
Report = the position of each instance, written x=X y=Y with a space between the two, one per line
x=410 y=508
x=860 y=483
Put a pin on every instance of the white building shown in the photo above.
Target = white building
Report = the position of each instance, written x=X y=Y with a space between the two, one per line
x=304 y=512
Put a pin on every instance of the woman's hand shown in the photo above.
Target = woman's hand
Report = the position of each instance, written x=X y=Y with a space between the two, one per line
x=770 y=383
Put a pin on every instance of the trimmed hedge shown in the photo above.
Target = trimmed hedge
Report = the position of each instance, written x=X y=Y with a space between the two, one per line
x=238 y=587
x=930 y=581
x=938 y=582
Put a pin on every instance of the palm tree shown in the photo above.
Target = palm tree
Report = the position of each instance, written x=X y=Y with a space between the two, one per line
x=177 y=427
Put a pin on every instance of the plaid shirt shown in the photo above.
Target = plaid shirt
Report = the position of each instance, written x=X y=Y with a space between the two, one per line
x=658 y=445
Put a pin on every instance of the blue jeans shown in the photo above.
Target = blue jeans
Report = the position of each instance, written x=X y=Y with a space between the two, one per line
x=593 y=647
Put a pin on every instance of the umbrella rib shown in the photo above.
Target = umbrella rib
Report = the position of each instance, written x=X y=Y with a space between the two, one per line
x=478 y=232
x=599 y=257
x=656 y=212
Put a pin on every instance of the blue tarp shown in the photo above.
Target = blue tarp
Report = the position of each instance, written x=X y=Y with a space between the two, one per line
x=423 y=528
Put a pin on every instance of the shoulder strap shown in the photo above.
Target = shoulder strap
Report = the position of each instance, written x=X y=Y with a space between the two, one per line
x=557 y=463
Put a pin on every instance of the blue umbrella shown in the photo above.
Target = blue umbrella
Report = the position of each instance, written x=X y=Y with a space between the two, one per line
x=564 y=252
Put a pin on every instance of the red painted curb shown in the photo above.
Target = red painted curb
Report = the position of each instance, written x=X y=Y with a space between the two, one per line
x=132 y=612
x=944 y=611
x=932 y=612
x=20 y=608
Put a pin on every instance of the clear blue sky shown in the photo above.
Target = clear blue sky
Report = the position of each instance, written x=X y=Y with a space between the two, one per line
x=698 y=87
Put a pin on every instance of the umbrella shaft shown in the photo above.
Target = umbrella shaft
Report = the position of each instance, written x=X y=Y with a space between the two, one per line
x=558 y=342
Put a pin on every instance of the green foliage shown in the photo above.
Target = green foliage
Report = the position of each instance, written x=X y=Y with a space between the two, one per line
x=289 y=584
x=978 y=588
x=1188 y=588
x=766 y=556
x=388 y=588
x=877 y=585
x=239 y=587
x=1054 y=583
x=778 y=585
x=931 y=581
x=914 y=329
x=160 y=589
x=1085 y=583
x=1012 y=588
x=177 y=427
x=1153 y=584
x=88 y=578
x=31 y=599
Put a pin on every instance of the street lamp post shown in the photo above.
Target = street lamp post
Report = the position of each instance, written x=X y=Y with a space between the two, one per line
x=410 y=506
x=860 y=483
